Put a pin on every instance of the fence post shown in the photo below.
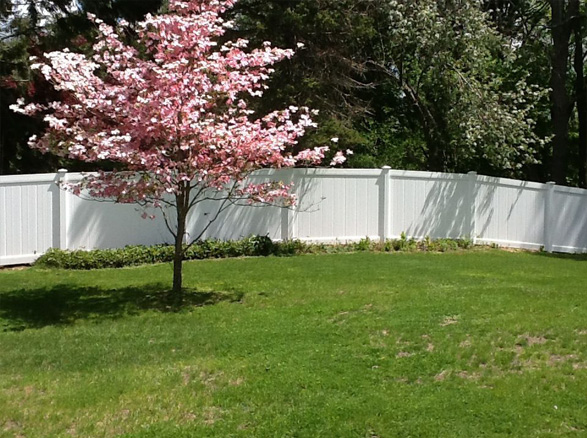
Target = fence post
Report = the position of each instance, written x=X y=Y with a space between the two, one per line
x=386 y=206
x=63 y=208
x=548 y=215
x=288 y=215
x=473 y=203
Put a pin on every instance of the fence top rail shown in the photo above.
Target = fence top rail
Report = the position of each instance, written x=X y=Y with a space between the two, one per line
x=570 y=190
x=507 y=182
x=417 y=174
x=6 y=180
x=24 y=179
x=322 y=172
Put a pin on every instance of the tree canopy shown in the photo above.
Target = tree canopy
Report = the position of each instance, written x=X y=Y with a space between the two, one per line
x=173 y=111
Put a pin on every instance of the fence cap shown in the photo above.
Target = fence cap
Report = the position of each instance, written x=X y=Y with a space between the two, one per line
x=386 y=167
x=62 y=171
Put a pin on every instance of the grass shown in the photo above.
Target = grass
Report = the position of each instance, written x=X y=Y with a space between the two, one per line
x=467 y=344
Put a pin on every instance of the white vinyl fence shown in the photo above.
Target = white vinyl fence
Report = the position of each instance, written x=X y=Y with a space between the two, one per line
x=335 y=205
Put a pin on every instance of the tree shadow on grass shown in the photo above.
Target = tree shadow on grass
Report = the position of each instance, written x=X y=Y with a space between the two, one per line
x=63 y=304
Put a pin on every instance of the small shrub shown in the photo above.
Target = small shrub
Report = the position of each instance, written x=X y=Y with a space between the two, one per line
x=364 y=244
x=290 y=248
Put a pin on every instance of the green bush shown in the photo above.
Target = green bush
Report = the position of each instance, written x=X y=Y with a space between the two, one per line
x=247 y=247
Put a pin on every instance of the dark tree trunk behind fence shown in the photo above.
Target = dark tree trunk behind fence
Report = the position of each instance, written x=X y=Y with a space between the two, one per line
x=563 y=13
x=581 y=97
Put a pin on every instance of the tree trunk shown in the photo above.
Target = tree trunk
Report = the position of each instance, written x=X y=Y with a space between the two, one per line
x=435 y=160
x=178 y=261
x=562 y=104
x=581 y=97
x=182 y=207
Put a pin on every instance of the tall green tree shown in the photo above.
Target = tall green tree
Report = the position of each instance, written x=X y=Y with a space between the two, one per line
x=331 y=73
x=579 y=33
x=563 y=14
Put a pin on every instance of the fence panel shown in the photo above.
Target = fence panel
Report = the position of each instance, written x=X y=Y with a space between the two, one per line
x=338 y=205
x=510 y=213
x=430 y=204
x=241 y=220
x=569 y=222
x=29 y=217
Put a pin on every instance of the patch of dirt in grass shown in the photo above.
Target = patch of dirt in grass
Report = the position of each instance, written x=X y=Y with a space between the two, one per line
x=466 y=343
x=572 y=428
x=375 y=342
x=212 y=414
x=403 y=354
x=339 y=318
x=430 y=347
x=531 y=340
x=469 y=375
x=188 y=417
x=442 y=375
x=527 y=357
x=210 y=379
x=400 y=341
x=72 y=430
x=581 y=332
x=450 y=320
x=11 y=426
x=28 y=390
x=408 y=381
x=236 y=382
x=556 y=359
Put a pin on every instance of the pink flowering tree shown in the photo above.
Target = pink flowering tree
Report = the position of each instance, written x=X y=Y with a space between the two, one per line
x=174 y=114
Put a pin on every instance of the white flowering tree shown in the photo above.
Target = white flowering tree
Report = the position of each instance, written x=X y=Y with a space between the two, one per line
x=457 y=73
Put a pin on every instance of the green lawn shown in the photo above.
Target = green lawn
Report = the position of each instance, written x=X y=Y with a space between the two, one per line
x=466 y=344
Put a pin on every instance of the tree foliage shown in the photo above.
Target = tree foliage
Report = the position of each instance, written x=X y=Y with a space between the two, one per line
x=30 y=28
x=451 y=85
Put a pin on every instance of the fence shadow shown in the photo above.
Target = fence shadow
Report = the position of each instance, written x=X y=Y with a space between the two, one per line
x=446 y=211
x=64 y=304
x=563 y=256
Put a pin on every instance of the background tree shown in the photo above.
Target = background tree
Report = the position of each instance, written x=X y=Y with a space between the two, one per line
x=331 y=73
x=456 y=73
x=174 y=115
x=550 y=36
x=32 y=27
x=580 y=23
x=456 y=105
x=563 y=14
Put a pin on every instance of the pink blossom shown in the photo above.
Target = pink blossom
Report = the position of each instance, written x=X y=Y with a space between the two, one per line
x=338 y=158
